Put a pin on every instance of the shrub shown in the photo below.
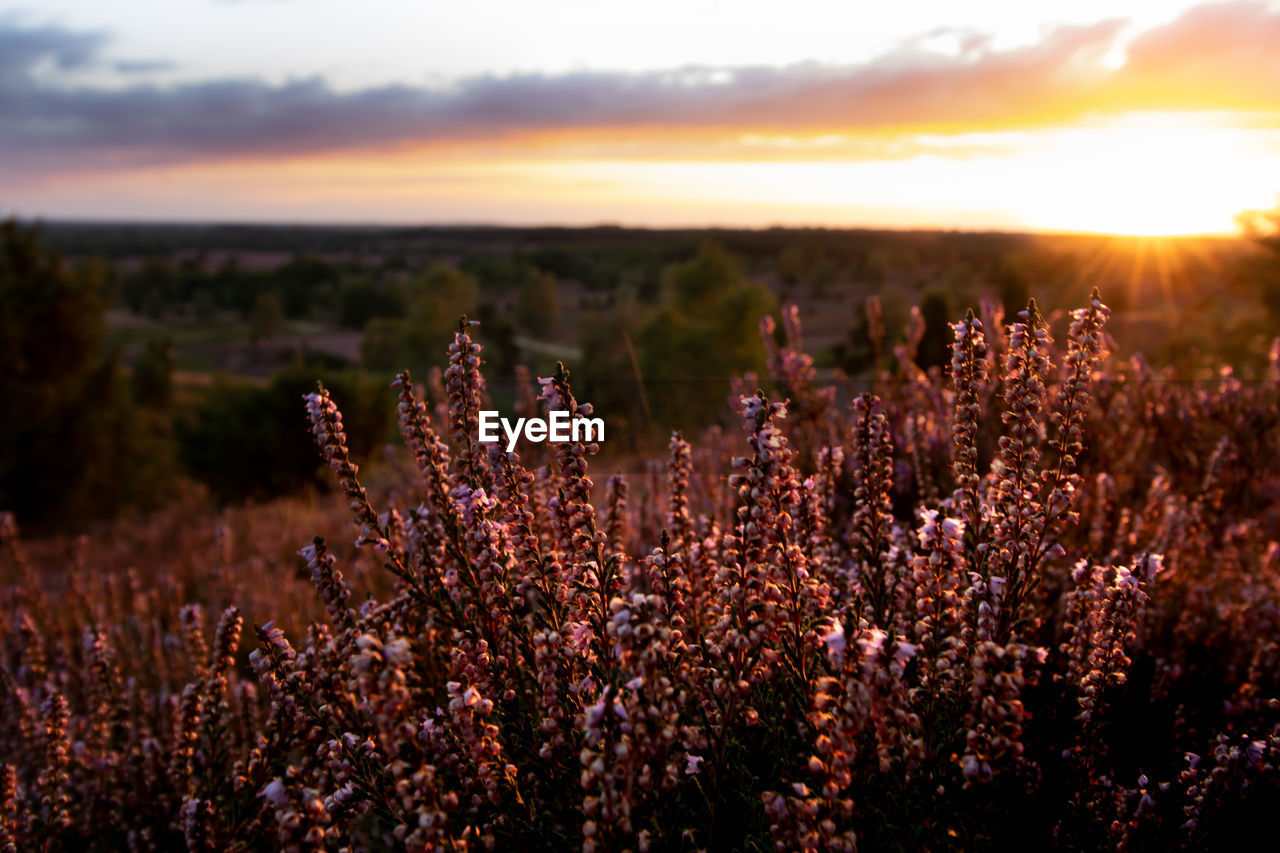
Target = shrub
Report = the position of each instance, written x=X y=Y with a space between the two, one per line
x=242 y=441
x=998 y=609
x=72 y=444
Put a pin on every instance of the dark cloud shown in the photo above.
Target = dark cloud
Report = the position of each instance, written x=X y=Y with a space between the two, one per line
x=22 y=49
x=142 y=66
x=1221 y=51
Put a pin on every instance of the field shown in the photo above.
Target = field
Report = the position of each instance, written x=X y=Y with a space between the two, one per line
x=1026 y=595
x=827 y=273
x=934 y=353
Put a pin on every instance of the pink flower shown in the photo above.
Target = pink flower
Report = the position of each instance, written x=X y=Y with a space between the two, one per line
x=903 y=652
x=836 y=642
x=579 y=636
x=692 y=764
x=873 y=643
x=275 y=793
x=1125 y=580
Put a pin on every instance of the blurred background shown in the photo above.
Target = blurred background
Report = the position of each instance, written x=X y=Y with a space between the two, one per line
x=214 y=203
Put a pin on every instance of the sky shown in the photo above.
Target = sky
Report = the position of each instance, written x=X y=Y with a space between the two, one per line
x=1126 y=117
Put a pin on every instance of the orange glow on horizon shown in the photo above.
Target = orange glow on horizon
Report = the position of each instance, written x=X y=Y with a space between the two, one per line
x=1140 y=174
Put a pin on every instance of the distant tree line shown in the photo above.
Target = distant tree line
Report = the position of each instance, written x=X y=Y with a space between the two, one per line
x=76 y=440
x=85 y=436
x=662 y=320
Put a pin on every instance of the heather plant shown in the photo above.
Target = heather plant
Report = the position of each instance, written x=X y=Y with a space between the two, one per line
x=1033 y=599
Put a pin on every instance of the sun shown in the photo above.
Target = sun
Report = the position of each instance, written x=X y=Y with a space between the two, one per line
x=1148 y=175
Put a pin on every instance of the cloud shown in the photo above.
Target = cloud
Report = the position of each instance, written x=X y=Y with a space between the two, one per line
x=142 y=66
x=23 y=49
x=1216 y=56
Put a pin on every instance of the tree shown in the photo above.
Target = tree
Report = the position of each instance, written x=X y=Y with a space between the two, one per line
x=50 y=332
x=607 y=376
x=935 y=346
x=72 y=445
x=235 y=288
x=302 y=284
x=437 y=298
x=706 y=331
x=243 y=441
x=362 y=300
x=1263 y=227
x=267 y=319
x=498 y=335
x=205 y=308
x=809 y=265
x=697 y=285
x=1012 y=287
x=151 y=289
x=380 y=348
x=152 y=380
x=539 y=305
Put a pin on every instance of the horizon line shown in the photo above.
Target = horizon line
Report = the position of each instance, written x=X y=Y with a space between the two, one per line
x=388 y=225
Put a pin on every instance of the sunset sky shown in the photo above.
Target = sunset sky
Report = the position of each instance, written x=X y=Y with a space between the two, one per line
x=1131 y=117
